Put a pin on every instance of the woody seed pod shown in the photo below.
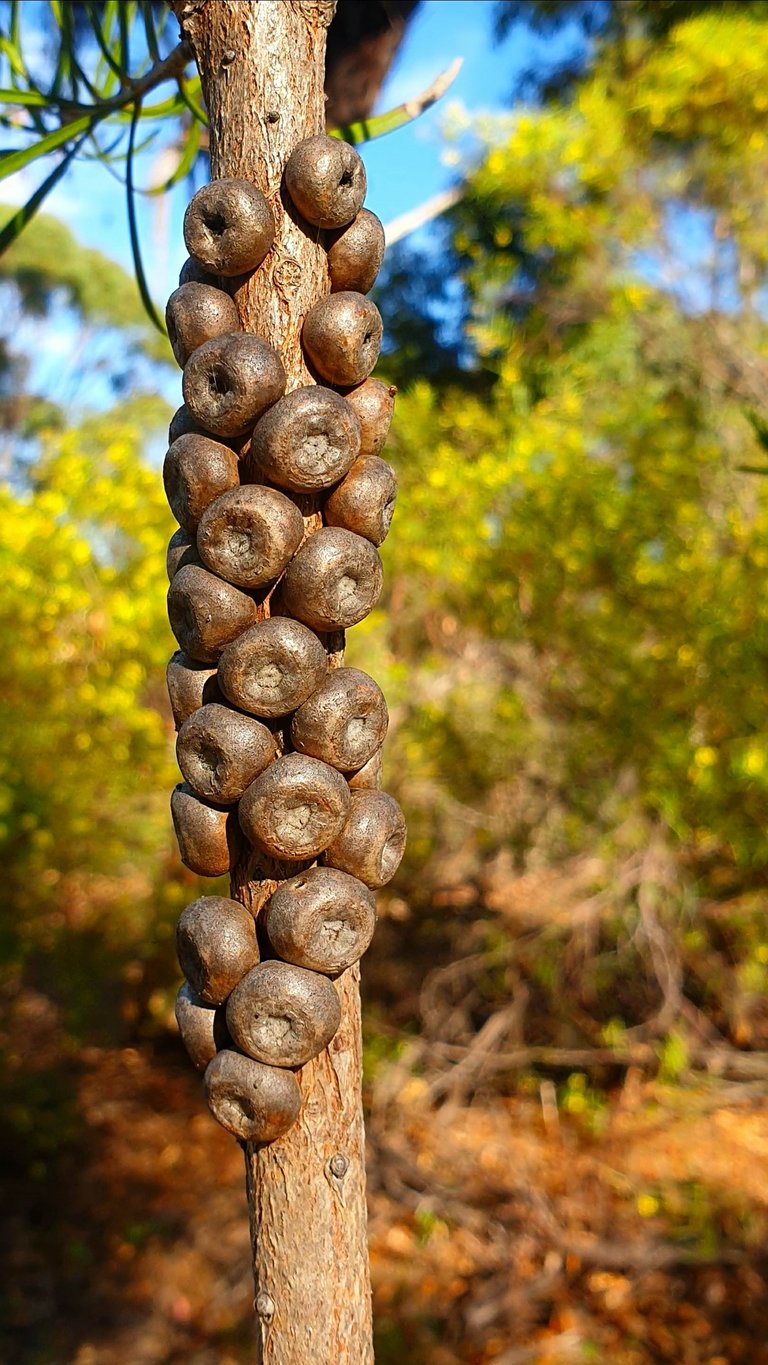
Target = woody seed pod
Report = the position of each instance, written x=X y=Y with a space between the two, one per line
x=229 y=381
x=364 y=501
x=272 y=667
x=326 y=180
x=253 y=1102
x=249 y=534
x=206 y=835
x=182 y=423
x=367 y=778
x=322 y=920
x=295 y=808
x=193 y=273
x=216 y=945
x=307 y=441
x=373 y=403
x=356 y=253
x=195 y=471
x=182 y=549
x=195 y=313
x=333 y=581
x=344 y=722
x=342 y=337
x=283 y=1015
x=206 y=613
x=203 y=1028
x=229 y=227
x=221 y=751
x=190 y=684
x=372 y=842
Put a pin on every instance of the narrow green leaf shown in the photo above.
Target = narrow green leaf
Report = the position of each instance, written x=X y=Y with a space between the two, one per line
x=188 y=90
x=12 y=162
x=103 y=36
x=367 y=129
x=148 y=17
x=27 y=98
x=138 y=264
x=186 y=161
x=19 y=221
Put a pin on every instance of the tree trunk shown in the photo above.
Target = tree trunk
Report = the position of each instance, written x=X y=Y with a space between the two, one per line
x=262 y=65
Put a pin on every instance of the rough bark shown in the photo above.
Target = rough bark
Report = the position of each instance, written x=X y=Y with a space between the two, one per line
x=262 y=65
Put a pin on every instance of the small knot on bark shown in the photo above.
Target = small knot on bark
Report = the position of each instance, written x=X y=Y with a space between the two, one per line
x=264 y=1307
x=339 y=1165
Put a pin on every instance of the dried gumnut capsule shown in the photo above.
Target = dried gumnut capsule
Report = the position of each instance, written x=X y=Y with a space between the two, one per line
x=229 y=227
x=255 y=1103
x=182 y=549
x=221 y=751
x=373 y=403
x=249 y=534
x=203 y=1028
x=372 y=842
x=344 y=722
x=364 y=501
x=326 y=180
x=205 y=833
x=206 y=613
x=367 y=778
x=230 y=381
x=356 y=253
x=190 y=684
x=195 y=471
x=195 y=313
x=333 y=581
x=216 y=945
x=283 y=1015
x=322 y=920
x=182 y=423
x=193 y=273
x=272 y=667
x=342 y=337
x=307 y=441
x=295 y=808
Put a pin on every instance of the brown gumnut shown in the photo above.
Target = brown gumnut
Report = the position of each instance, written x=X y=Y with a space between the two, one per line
x=190 y=684
x=333 y=581
x=206 y=613
x=342 y=337
x=196 y=313
x=216 y=945
x=221 y=751
x=272 y=667
x=229 y=227
x=283 y=1015
x=294 y=809
x=193 y=273
x=374 y=403
x=203 y=1028
x=344 y=722
x=326 y=180
x=255 y=1103
x=206 y=834
x=182 y=423
x=367 y=778
x=307 y=441
x=182 y=549
x=249 y=534
x=355 y=254
x=372 y=842
x=230 y=381
x=196 y=470
x=364 y=501
x=322 y=920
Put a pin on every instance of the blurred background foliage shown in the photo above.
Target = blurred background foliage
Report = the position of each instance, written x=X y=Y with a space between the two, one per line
x=574 y=644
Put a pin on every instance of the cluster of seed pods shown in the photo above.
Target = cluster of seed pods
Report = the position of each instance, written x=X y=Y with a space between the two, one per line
x=274 y=744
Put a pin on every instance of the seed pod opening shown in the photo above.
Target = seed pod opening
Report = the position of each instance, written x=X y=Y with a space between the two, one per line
x=367 y=778
x=342 y=337
x=307 y=441
x=221 y=751
x=373 y=404
x=255 y=1103
x=294 y=809
x=229 y=227
x=322 y=920
x=372 y=842
x=230 y=381
x=195 y=313
x=195 y=471
x=203 y=1028
x=364 y=501
x=216 y=945
x=206 y=613
x=207 y=835
x=355 y=254
x=283 y=1015
x=182 y=549
x=344 y=721
x=333 y=581
x=272 y=667
x=326 y=180
x=190 y=684
x=249 y=534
